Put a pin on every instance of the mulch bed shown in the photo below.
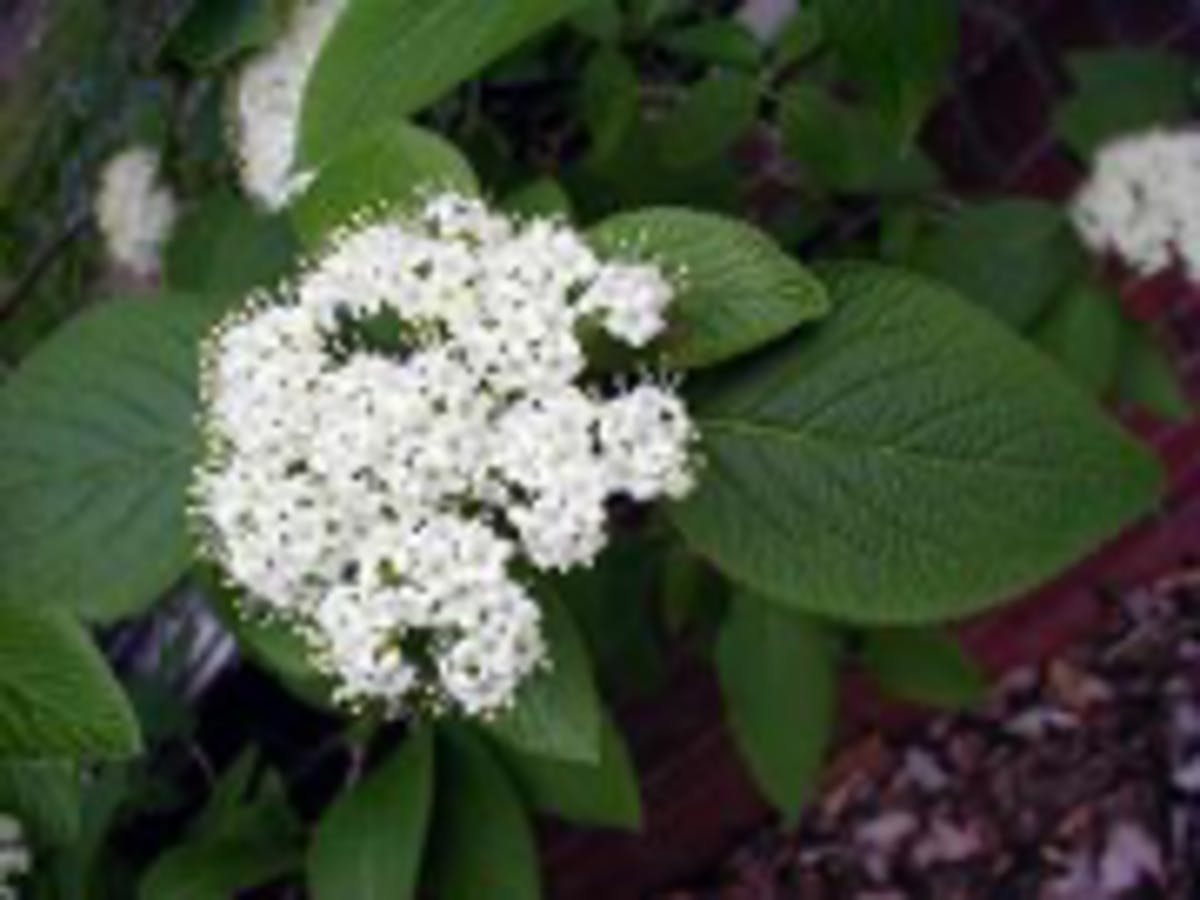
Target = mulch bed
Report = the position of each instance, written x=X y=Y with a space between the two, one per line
x=1078 y=780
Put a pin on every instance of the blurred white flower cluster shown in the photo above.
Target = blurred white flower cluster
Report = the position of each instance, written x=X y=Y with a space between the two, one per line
x=135 y=212
x=1142 y=202
x=15 y=858
x=399 y=445
x=267 y=103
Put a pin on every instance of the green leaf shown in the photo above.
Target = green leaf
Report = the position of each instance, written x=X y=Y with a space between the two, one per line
x=248 y=844
x=229 y=793
x=1147 y=378
x=636 y=176
x=609 y=101
x=692 y=593
x=557 y=711
x=215 y=869
x=599 y=19
x=846 y=149
x=800 y=38
x=648 y=15
x=1122 y=91
x=541 y=197
x=900 y=51
x=738 y=290
x=1012 y=257
x=58 y=698
x=163 y=712
x=714 y=113
x=901 y=229
x=924 y=665
x=224 y=246
x=622 y=637
x=388 y=58
x=85 y=867
x=1083 y=333
x=214 y=32
x=481 y=843
x=97 y=443
x=273 y=645
x=722 y=42
x=47 y=797
x=390 y=168
x=778 y=673
x=603 y=793
x=368 y=844
x=909 y=461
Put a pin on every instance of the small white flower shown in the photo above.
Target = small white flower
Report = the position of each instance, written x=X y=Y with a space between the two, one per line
x=645 y=435
x=393 y=443
x=134 y=210
x=632 y=301
x=15 y=857
x=1142 y=202
x=267 y=104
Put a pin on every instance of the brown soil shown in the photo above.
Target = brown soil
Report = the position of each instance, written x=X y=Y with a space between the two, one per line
x=1079 y=780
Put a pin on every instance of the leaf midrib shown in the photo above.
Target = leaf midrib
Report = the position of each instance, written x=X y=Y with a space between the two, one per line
x=791 y=433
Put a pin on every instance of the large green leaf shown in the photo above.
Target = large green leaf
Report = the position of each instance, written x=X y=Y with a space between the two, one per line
x=846 y=149
x=368 y=845
x=604 y=792
x=736 y=289
x=924 y=665
x=58 y=698
x=1120 y=92
x=225 y=246
x=481 y=843
x=388 y=58
x=778 y=672
x=47 y=797
x=1011 y=256
x=910 y=460
x=899 y=50
x=392 y=167
x=557 y=711
x=1083 y=332
x=97 y=443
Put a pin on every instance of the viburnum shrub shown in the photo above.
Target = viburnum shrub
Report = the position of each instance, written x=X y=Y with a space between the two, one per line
x=465 y=370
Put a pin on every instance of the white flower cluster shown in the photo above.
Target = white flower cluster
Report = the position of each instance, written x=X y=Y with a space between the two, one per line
x=15 y=858
x=1143 y=202
x=267 y=103
x=134 y=210
x=400 y=444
